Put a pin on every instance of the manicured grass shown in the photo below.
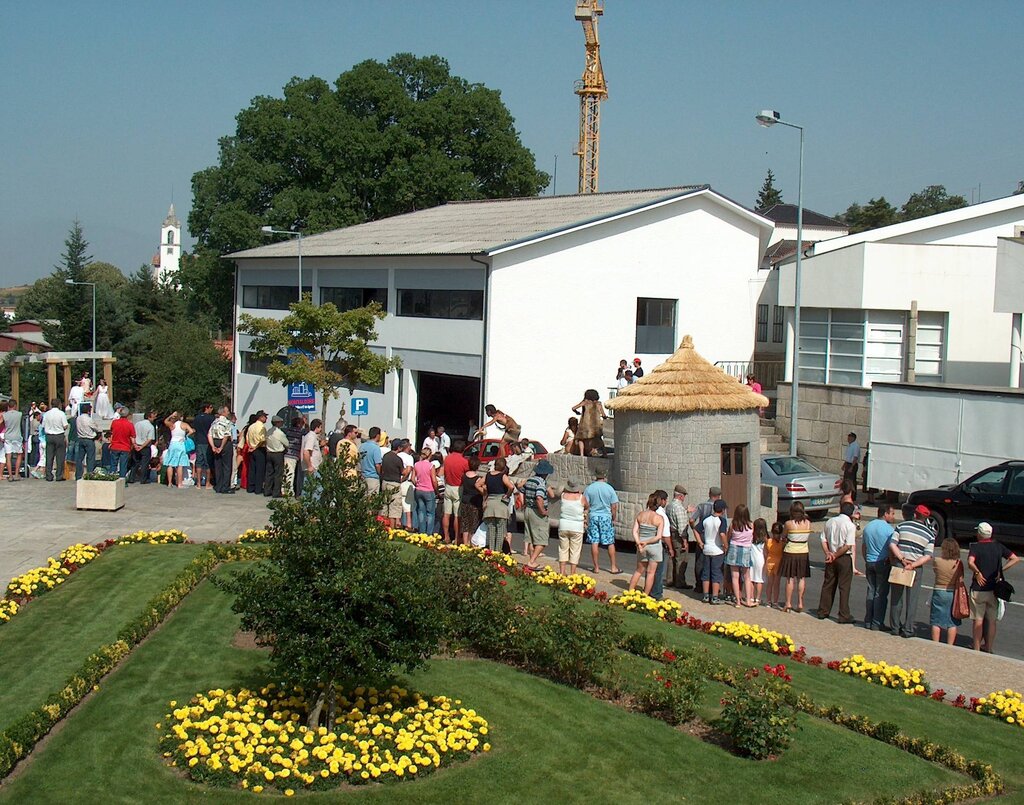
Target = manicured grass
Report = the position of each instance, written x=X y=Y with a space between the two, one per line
x=44 y=644
x=551 y=742
x=977 y=737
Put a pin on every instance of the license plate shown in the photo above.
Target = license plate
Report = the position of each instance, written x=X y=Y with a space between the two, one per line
x=820 y=501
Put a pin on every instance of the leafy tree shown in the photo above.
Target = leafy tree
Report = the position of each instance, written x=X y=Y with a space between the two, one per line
x=933 y=199
x=335 y=602
x=768 y=195
x=877 y=212
x=330 y=348
x=183 y=369
x=72 y=304
x=385 y=139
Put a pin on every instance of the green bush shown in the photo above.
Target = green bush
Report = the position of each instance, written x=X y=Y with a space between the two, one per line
x=673 y=693
x=759 y=715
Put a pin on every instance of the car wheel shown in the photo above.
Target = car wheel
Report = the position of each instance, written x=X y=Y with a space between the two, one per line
x=937 y=522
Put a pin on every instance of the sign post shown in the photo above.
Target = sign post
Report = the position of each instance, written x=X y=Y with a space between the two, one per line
x=359 y=407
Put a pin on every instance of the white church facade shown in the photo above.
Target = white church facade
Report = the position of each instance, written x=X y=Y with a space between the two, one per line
x=167 y=259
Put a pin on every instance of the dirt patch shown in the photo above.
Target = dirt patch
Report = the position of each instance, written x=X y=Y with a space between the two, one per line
x=247 y=641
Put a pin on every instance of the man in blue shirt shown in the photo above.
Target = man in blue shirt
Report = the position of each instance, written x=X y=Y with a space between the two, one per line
x=604 y=507
x=370 y=456
x=875 y=549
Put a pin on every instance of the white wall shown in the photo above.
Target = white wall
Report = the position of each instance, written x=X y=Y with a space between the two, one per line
x=169 y=263
x=563 y=312
x=787 y=232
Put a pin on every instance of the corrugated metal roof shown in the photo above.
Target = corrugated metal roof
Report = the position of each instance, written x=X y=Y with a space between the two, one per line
x=469 y=227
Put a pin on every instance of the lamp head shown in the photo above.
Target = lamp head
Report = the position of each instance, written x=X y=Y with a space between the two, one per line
x=767 y=117
x=69 y=282
x=267 y=229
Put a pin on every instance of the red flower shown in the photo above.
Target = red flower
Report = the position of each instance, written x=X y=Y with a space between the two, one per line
x=668 y=655
x=502 y=582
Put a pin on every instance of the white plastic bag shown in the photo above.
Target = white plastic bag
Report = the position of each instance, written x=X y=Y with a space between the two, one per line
x=479 y=538
x=1000 y=609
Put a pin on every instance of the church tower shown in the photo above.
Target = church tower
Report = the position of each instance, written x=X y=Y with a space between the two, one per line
x=167 y=259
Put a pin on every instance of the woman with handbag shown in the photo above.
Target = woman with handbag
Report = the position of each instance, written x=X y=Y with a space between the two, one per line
x=949 y=574
x=985 y=558
x=497 y=489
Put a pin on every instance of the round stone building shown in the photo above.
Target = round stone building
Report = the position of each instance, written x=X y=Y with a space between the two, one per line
x=688 y=422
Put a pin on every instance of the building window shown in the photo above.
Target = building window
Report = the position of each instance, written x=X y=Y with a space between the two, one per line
x=655 y=325
x=170 y=250
x=778 y=324
x=762 y=323
x=351 y=298
x=441 y=304
x=170 y=237
x=252 y=365
x=859 y=347
x=931 y=329
x=271 y=297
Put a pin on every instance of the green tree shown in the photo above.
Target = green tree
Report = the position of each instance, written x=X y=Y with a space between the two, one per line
x=183 y=369
x=329 y=349
x=72 y=304
x=933 y=199
x=768 y=196
x=385 y=139
x=877 y=212
x=335 y=602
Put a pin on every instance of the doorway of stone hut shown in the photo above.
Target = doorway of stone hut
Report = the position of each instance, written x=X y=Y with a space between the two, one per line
x=734 y=476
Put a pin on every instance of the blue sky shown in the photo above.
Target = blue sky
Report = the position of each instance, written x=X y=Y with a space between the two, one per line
x=108 y=108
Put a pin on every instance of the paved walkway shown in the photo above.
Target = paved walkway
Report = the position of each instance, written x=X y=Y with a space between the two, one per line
x=39 y=519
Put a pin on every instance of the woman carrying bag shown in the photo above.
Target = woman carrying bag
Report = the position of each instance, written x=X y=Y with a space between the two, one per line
x=949 y=574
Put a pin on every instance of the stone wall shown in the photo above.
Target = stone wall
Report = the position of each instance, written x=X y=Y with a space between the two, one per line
x=827 y=413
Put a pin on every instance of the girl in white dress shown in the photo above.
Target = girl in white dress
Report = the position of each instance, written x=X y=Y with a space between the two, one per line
x=757 y=558
x=102 y=406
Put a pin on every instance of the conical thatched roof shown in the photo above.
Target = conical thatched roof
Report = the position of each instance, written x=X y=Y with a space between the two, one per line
x=685 y=383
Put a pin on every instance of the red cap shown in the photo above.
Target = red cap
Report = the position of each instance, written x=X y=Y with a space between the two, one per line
x=923 y=510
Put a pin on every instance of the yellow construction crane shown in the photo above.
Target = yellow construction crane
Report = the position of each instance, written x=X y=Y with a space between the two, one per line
x=592 y=89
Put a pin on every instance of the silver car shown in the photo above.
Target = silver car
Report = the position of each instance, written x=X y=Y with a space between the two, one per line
x=798 y=479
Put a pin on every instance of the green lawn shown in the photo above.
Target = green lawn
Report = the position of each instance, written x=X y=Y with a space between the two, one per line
x=551 y=742
x=47 y=642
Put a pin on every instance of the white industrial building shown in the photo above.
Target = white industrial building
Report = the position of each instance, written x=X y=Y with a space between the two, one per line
x=523 y=303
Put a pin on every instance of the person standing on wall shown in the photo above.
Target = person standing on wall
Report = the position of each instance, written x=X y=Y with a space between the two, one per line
x=851 y=459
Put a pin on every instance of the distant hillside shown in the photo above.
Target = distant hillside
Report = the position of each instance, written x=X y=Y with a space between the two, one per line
x=9 y=296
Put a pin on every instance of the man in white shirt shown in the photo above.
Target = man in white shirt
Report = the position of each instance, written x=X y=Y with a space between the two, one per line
x=851 y=458
x=312 y=453
x=145 y=437
x=713 y=542
x=55 y=426
x=838 y=541
x=444 y=441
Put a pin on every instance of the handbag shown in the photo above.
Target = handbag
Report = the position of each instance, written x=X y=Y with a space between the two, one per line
x=1003 y=589
x=961 y=608
x=902 y=576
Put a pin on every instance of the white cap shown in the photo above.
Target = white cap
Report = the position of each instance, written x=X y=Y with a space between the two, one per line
x=984 y=530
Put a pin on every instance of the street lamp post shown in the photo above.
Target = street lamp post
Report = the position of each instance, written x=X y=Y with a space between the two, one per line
x=768 y=118
x=269 y=230
x=93 y=284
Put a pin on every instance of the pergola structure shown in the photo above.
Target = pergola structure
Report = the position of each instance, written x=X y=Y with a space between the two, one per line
x=63 y=360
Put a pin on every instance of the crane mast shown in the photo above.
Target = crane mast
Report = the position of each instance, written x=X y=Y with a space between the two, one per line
x=592 y=89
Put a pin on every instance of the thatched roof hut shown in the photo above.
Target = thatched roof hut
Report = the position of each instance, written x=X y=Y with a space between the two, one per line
x=687 y=383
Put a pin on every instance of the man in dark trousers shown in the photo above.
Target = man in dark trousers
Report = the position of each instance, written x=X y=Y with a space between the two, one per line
x=256 y=439
x=222 y=451
x=204 y=464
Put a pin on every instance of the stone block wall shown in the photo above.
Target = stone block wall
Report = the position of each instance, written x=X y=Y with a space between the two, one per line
x=827 y=413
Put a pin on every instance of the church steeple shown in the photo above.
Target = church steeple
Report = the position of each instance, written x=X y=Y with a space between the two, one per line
x=168 y=256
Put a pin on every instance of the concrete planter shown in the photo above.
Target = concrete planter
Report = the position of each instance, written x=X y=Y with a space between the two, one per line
x=100 y=495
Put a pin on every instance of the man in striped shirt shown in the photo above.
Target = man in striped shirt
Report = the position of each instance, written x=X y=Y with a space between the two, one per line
x=911 y=549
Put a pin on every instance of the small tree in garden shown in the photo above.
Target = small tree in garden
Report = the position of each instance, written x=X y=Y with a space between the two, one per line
x=335 y=602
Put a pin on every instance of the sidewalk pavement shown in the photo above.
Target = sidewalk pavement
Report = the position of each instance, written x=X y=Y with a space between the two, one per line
x=39 y=518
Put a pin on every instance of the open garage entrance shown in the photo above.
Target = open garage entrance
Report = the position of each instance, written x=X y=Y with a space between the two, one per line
x=449 y=400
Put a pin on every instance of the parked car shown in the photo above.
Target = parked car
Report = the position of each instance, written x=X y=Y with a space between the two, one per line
x=798 y=479
x=995 y=495
x=489 y=449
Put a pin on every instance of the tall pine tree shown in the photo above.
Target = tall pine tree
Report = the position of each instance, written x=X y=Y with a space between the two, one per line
x=73 y=306
x=768 y=196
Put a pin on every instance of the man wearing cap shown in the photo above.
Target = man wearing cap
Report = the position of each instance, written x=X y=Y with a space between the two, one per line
x=256 y=440
x=535 y=512
x=679 y=529
x=911 y=549
x=985 y=559
x=604 y=508
x=638 y=370
x=276 y=444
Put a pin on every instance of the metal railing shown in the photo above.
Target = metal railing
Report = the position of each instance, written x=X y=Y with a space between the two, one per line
x=768 y=373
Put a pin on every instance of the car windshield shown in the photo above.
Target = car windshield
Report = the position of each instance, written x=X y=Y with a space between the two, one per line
x=789 y=465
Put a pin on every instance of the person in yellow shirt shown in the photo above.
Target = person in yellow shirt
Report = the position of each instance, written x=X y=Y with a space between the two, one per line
x=256 y=440
x=349 y=447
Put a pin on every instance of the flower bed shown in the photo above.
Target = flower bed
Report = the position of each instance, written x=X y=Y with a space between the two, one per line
x=153 y=537
x=1006 y=705
x=8 y=609
x=576 y=583
x=258 y=740
x=255 y=535
x=911 y=682
x=758 y=637
x=636 y=601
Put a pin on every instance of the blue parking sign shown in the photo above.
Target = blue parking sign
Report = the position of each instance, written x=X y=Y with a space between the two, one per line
x=359 y=406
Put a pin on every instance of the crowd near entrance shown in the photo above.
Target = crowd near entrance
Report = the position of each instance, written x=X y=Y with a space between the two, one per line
x=451 y=400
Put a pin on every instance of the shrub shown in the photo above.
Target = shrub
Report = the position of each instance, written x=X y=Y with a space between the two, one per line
x=759 y=714
x=673 y=694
